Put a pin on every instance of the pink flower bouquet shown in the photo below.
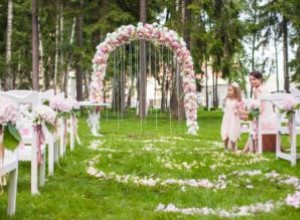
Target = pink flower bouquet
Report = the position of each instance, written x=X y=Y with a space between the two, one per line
x=75 y=107
x=8 y=117
x=289 y=105
x=46 y=114
x=254 y=109
x=61 y=106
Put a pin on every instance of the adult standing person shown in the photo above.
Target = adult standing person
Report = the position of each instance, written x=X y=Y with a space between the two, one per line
x=267 y=115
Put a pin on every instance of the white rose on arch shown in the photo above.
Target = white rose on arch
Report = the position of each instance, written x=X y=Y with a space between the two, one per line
x=156 y=34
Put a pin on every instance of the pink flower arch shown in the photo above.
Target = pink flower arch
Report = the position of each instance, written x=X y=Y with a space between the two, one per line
x=159 y=35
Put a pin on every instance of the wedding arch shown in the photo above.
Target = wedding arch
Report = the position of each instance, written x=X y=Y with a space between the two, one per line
x=159 y=35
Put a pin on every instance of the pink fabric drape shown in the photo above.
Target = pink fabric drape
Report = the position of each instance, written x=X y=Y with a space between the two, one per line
x=40 y=138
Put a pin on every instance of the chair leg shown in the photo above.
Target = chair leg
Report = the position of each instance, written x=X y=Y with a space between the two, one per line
x=56 y=151
x=51 y=157
x=12 y=192
x=61 y=146
x=42 y=171
x=34 y=173
x=293 y=152
x=72 y=135
x=62 y=138
x=259 y=144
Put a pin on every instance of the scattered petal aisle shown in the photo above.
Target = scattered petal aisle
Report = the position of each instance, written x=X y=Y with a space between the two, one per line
x=232 y=178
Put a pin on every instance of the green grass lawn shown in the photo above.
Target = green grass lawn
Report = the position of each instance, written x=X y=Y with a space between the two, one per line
x=157 y=149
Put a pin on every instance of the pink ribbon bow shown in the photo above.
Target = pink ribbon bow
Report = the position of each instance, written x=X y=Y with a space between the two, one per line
x=40 y=138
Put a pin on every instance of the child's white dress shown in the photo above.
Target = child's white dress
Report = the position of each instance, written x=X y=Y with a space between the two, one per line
x=231 y=127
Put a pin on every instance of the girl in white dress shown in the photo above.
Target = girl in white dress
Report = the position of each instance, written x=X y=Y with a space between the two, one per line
x=231 y=127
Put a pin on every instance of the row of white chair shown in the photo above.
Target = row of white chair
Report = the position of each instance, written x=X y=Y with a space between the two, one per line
x=27 y=101
x=284 y=126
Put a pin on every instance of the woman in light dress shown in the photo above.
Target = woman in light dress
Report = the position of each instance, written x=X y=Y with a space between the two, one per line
x=267 y=115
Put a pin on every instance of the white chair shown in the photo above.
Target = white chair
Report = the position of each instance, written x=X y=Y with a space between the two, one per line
x=9 y=166
x=288 y=127
x=52 y=140
x=268 y=100
x=27 y=101
x=62 y=131
x=247 y=128
x=46 y=95
x=72 y=130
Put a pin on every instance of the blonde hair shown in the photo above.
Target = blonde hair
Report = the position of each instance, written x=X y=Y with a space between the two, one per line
x=237 y=93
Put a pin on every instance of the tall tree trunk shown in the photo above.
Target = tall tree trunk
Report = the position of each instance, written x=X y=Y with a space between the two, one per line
x=79 y=41
x=19 y=70
x=186 y=21
x=8 y=76
x=86 y=85
x=276 y=61
x=143 y=79
x=285 y=55
x=206 y=84
x=253 y=52
x=41 y=60
x=213 y=88
x=254 y=35
x=123 y=82
x=167 y=92
x=61 y=42
x=187 y=17
x=104 y=91
x=216 y=105
x=35 y=46
x=69 y=58
x=56 y=47
x=116 y=93
x=130 y=91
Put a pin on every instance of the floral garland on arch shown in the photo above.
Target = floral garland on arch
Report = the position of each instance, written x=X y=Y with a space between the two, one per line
x=158 y=35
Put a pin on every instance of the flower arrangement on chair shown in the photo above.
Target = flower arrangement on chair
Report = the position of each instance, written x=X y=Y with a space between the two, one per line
x=289 y=106
x=8 y=117
x=47 y=115
x=61 y=106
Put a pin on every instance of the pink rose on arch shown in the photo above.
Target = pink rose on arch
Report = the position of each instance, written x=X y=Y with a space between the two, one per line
x=98 y=73
x=104 y=48
x=149 y=27
x=157 y=35
x=175 y=45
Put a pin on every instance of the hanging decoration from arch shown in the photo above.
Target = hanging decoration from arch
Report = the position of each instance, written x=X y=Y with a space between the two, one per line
x=158 y=35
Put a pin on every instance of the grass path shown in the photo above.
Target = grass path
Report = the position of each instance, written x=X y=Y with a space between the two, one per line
x=135 y=148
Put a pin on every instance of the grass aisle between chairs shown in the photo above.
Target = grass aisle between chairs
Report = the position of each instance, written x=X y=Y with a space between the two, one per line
x=136 y=175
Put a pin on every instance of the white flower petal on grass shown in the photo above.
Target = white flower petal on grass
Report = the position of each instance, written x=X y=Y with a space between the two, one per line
x=293 y=200
x=236 y=211
x=249 y=186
